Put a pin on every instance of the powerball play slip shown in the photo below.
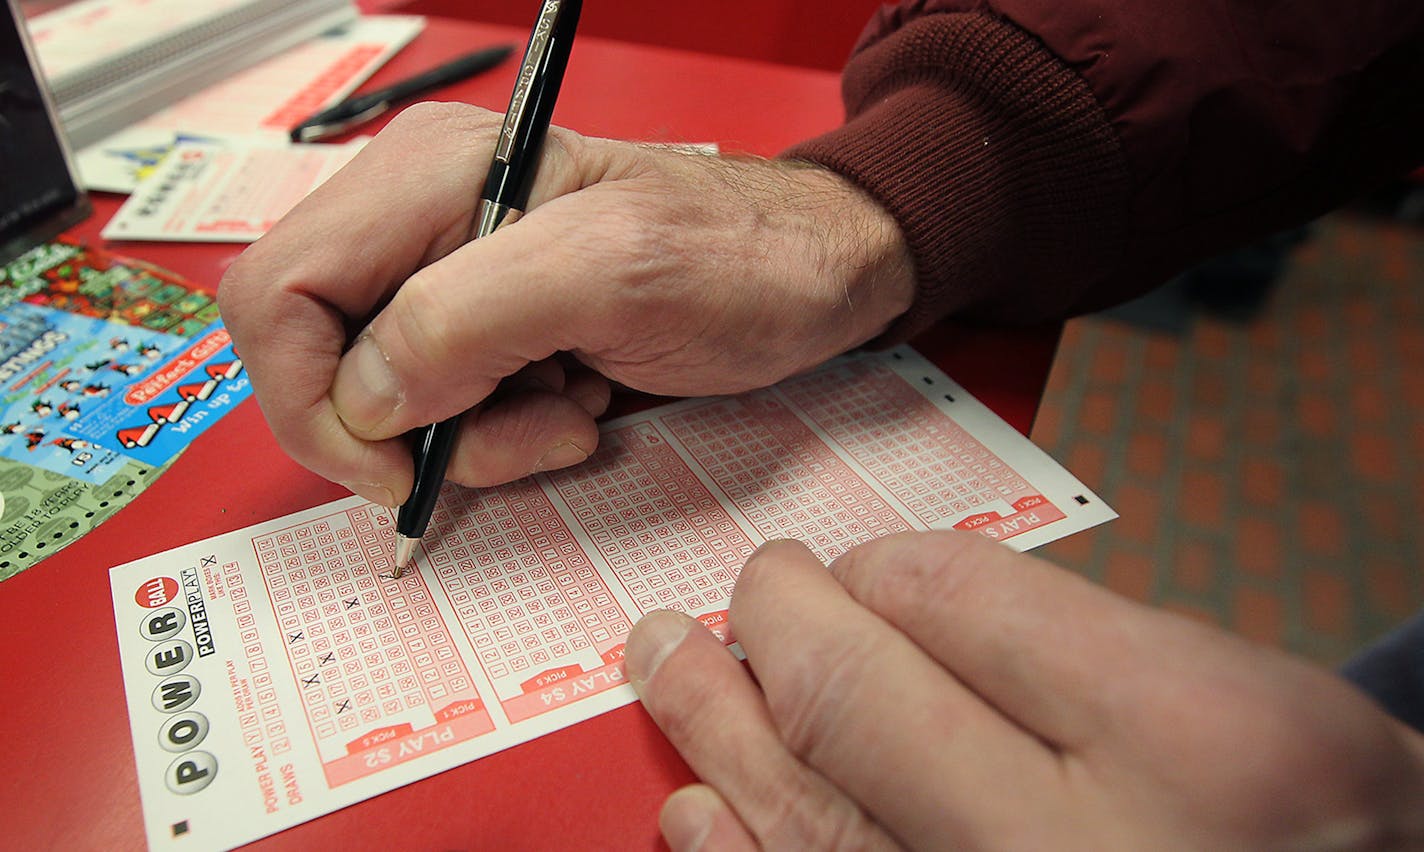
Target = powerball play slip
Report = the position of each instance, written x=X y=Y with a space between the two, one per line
x=277 y=673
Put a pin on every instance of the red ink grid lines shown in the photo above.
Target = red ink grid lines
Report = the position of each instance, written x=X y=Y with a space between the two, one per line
x=924 y=458
x=365 y=650
x=667 y=539
x=783 y=478
x=527 y=595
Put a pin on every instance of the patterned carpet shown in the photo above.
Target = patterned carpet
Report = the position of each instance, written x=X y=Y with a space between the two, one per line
x=1266 y=454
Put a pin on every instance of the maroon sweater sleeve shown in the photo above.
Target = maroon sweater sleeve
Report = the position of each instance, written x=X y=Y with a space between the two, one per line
x=1045 y=158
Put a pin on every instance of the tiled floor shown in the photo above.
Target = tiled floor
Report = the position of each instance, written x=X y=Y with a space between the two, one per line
x=1269 y=470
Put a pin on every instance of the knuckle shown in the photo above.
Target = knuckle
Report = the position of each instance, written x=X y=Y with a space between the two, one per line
x=809 y=696
x=809 y=815
x=683 y=704
x=418 y=118
x=570 y=163
x=560 y=142
x=439 y=134
x=512 y=438
x=1310 y=742
x=540 y=417
x=234 y=294
x=420 y=114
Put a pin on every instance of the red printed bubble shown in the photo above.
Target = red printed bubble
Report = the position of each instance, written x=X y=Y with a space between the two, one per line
x=156 y=592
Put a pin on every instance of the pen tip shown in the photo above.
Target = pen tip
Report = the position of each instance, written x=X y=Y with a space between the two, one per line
x=405 y=549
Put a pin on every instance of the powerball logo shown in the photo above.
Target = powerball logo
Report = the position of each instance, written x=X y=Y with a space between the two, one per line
x=175 y=625
x=156 y=592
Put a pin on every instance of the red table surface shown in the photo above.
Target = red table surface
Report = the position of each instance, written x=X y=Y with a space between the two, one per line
x=69 y=778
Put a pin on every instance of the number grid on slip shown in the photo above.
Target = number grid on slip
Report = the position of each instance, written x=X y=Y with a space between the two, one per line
x=669 y=541
x=930 y=463
x=528 y=597
x=366 y=651
x=786 y=482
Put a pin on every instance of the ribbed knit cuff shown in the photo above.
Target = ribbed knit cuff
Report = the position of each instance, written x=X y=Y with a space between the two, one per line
x=996 y=160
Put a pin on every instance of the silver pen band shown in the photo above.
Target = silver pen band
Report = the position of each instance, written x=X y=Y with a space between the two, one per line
x=493 y=215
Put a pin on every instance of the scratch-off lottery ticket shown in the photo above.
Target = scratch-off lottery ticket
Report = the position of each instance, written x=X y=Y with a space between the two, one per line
x=279 y=672
x=42 y=512
x=102 y=389
x=105 y=360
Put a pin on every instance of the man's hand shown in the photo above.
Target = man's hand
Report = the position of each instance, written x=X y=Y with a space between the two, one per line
x=937 y=690
x=367 y=312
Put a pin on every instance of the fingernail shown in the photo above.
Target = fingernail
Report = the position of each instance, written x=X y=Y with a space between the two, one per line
x=365 y=391
x=373 y=491
x=687 y=818
x=655 y=636
x=560 y=455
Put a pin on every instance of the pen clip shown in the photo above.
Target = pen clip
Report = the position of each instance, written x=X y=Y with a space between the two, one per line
x=523 y=85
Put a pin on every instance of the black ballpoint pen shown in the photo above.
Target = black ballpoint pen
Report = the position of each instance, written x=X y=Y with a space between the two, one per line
x=517 y=154
x=362 y=108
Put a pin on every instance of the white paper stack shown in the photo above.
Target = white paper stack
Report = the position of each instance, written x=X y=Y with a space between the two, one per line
x=112 y=62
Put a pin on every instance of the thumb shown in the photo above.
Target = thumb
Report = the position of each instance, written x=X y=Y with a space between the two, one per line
x=457 y=327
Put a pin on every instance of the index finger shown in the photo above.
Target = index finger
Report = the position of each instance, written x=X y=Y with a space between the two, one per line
x=1025 y=633
x=1018 y=631
x=292 y=300
x=295 y=299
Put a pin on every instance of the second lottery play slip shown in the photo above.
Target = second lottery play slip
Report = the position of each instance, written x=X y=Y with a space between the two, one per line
x=280 y=672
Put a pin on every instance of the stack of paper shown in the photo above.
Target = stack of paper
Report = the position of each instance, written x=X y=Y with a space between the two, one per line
x=111 y=62
x=258 y=106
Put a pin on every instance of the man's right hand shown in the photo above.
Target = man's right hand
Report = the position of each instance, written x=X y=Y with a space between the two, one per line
x=367 y=312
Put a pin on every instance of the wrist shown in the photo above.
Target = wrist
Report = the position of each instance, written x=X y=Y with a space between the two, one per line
x=861 y=271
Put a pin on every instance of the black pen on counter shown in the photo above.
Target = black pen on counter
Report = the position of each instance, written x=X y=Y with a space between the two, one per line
x=363 y=108
x=517 y=154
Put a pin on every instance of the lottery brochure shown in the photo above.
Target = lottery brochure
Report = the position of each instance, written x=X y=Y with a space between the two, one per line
x=279 y=672
x=262 y=103
x=224 y=194
x=104 y=361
